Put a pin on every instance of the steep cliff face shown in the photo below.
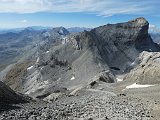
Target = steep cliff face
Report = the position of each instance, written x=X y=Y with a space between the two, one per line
x=121 y=43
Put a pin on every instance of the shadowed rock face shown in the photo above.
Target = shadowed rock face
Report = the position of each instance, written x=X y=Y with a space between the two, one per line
x=7 y=95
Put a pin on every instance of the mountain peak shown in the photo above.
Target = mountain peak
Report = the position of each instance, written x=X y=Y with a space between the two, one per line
x=139 y=21
x=61 y=30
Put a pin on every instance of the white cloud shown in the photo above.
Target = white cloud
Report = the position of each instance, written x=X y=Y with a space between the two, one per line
x=24 y=21
x=100 y=7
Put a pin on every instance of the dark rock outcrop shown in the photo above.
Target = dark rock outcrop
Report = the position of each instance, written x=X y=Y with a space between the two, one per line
x=8 y=96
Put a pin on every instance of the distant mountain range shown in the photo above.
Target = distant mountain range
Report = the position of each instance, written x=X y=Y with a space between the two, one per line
x=14 y=43
x=78 y=29
x=152 y=29
x=40 y=28
x=17 y=30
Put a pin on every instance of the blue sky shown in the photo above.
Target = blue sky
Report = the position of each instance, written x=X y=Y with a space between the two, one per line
x=75 y=13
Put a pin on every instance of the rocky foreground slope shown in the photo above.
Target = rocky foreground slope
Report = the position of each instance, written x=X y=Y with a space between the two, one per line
x=87 y=105
x=79 y=75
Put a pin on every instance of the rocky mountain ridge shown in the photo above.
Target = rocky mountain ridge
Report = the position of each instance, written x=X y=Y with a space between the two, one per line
x=95 y=55
x=70 y=67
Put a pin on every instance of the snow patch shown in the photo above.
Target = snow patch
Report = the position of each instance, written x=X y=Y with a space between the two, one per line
x=46 y=82
x=42 y=68
x=29 y=67
x=73 y=78
x=47 y=52
x=133 y=63
x=64 y=41
x=37 y=60
x=119 y=80
x=59 y=79
x=135 y=85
